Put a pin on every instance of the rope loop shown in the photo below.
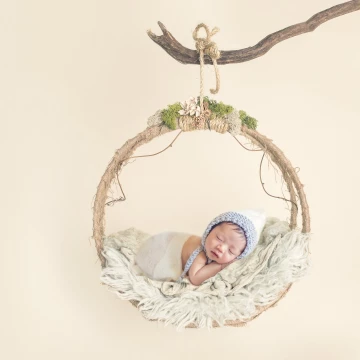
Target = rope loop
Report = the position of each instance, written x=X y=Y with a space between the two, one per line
x=204 y=45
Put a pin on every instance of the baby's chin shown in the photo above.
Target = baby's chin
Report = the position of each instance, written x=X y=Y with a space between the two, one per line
x=220 y=262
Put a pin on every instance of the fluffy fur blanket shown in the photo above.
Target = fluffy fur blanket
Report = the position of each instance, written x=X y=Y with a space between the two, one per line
x=280 y=258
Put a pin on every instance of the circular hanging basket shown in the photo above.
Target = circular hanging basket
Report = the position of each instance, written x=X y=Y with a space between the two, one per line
x=188 y=123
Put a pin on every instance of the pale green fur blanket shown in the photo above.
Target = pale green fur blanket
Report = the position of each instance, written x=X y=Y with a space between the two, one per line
x=280 y=258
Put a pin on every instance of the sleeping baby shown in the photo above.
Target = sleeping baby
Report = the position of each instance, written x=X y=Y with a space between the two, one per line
x=171 y=256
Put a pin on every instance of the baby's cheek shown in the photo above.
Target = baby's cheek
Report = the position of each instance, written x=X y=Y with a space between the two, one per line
x=232 y=257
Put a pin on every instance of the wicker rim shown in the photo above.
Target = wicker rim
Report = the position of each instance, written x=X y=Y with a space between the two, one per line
x=289 y=173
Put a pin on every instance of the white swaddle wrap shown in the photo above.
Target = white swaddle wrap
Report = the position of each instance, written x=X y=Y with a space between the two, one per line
x=159 y=257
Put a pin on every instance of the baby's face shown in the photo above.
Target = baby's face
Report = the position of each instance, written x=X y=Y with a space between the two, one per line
x=224 y=243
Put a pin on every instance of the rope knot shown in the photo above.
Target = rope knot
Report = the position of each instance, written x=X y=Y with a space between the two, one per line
x=200 y=44
x=212 y=50
x=206 y=44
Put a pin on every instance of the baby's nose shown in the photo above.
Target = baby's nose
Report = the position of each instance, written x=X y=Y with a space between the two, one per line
x=220 y=248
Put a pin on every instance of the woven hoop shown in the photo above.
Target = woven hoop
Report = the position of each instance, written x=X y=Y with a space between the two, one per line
x=125 y=152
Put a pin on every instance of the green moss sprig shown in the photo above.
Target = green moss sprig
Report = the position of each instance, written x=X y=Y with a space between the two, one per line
x=218 y=109
x=247 y=120
x=170 y=115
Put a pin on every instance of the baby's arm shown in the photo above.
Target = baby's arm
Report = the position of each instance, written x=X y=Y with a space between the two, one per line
x=199 y=271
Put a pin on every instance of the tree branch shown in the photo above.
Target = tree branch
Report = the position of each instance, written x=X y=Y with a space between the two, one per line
x=188 y=56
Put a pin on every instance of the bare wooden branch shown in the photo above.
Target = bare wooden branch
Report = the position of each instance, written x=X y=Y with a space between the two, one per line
x=188 y=56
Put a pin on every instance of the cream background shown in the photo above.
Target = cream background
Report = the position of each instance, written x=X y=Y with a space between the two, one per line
x=78 y=78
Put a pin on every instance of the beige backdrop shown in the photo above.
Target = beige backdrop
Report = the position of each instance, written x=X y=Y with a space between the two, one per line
x=81 y=77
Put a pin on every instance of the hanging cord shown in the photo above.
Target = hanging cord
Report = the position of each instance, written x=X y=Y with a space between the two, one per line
x=207 y=47
x=262 y=184
x=123 y=197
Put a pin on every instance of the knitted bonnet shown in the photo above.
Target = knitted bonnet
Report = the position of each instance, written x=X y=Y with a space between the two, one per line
x=250 y=221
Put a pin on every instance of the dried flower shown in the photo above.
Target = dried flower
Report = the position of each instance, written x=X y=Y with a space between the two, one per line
x=190 y=107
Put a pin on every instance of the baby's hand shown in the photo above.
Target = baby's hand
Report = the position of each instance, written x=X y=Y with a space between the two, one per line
x=223 y=266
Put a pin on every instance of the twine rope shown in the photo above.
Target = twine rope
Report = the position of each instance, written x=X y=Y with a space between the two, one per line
x=207 y=47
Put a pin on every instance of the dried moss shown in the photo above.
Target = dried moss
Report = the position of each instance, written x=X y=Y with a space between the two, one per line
x=218 y=109
x=247 y=120
x=170 y=115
